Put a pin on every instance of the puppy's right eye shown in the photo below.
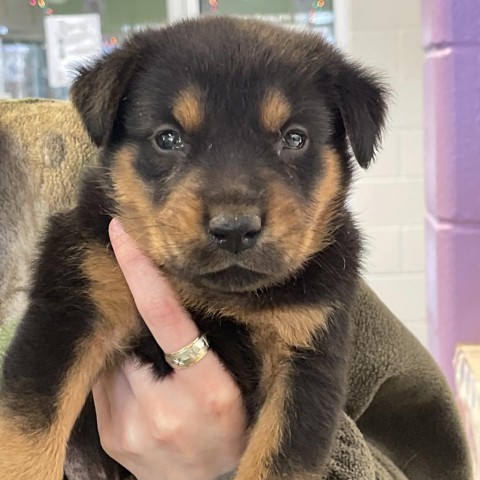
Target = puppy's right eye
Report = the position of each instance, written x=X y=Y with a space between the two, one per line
x=168 y=140
x=294 y=139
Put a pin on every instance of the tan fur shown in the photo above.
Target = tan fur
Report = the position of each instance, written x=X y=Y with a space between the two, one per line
x=288 y=222
x=275 y=332
x=274 y=111
x=188 y=109
x=181 y=217
x=300 y=231
x=42 y=456
x=163 y=232
x=24 y=457
x=265 y=438
x=131 y=193
x=323 y=210
x=293 y=327
x=171 y=230
x=110 y=293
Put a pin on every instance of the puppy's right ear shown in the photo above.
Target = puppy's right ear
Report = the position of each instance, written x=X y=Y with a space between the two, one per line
x=362 y=101
x=98 y=90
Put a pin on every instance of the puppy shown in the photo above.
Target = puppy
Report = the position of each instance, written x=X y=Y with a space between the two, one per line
x=226 y=148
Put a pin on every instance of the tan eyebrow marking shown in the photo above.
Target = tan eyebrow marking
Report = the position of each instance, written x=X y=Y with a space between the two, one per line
x=188 y=108
x=275 y=110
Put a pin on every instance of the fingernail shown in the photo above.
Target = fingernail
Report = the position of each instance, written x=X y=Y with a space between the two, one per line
x=116 y=228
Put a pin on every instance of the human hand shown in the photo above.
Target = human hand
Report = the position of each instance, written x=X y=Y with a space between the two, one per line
x=189 y=425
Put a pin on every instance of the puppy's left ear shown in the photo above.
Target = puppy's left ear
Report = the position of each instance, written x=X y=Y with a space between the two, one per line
x=362 y=102
x=98 y=90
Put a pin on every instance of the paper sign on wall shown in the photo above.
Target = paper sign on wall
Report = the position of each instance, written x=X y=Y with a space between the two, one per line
x=71 y=40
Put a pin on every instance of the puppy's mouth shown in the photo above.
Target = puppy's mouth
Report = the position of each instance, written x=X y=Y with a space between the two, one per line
x=234 y=279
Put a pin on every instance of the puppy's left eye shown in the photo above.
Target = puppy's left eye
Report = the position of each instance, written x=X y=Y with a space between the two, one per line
x=168 y=140
x=294 y=139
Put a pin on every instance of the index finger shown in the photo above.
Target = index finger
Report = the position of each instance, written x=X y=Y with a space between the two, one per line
x=169 y=323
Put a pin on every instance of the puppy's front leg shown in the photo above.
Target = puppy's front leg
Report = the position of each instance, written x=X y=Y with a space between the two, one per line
x=81 y=314
x=258 y=461
x=293 y=435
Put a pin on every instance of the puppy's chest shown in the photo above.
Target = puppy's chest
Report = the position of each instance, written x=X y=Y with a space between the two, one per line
x=260 y=348
x=277 y=334
x=274 y=358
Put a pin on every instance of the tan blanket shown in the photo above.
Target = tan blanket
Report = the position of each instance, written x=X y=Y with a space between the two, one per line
x=400 y=421
x=43 y=149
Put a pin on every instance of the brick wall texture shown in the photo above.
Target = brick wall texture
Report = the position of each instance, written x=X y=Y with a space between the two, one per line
x=389 y=197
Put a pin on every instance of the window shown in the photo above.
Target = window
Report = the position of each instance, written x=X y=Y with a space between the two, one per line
x=38 y=46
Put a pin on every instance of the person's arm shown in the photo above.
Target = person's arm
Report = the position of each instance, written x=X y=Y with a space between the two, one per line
x=192 y=424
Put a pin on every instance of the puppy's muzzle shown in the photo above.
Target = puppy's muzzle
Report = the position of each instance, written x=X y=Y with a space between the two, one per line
x=235 y=233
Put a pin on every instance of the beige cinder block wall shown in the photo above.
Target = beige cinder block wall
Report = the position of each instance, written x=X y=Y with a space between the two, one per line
x=389 y=198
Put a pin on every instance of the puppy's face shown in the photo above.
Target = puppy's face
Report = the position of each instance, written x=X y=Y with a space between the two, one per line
x=226 y=145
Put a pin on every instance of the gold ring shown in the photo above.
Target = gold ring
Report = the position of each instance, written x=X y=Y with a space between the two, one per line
x=189 y=355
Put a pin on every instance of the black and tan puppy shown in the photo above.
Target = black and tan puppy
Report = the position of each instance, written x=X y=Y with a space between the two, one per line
x=226 y=148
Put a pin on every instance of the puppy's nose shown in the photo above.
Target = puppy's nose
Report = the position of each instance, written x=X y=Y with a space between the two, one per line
x=235 y=233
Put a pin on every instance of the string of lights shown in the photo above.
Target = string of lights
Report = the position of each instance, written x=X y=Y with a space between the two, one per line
x=43 y=5
x=315 y=5
x=213 y=5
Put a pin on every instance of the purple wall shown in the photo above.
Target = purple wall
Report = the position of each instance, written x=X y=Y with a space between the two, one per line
x=451 y=38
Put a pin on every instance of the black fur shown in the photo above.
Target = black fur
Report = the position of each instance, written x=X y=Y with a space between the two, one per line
x=122 y=100
x=58 y=316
